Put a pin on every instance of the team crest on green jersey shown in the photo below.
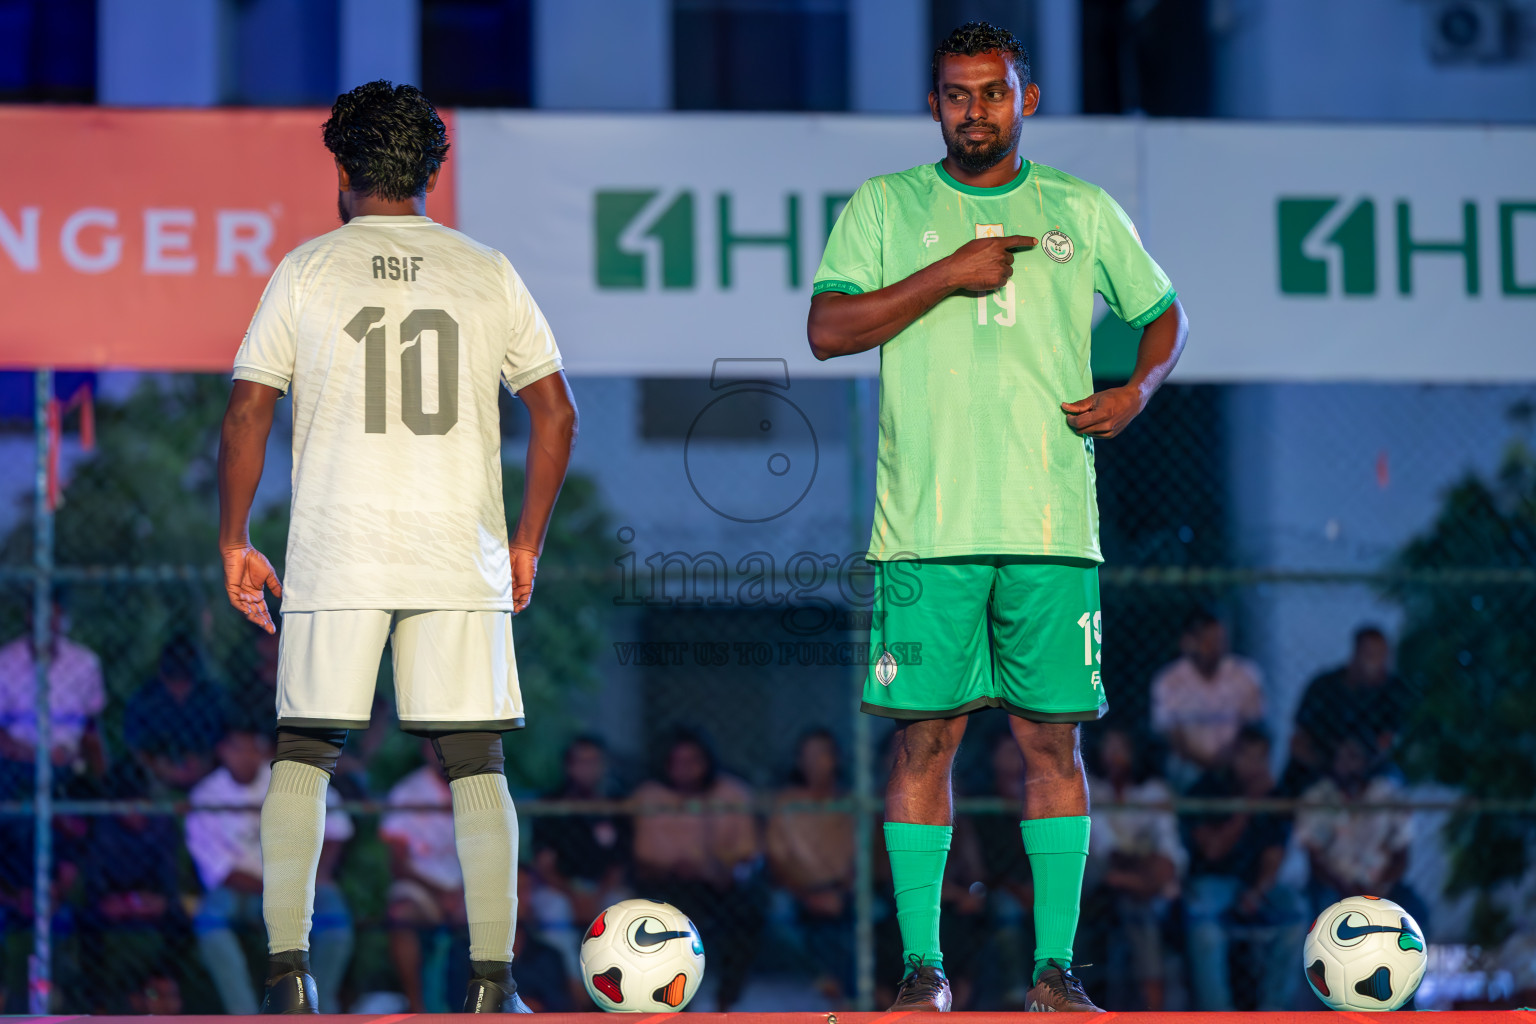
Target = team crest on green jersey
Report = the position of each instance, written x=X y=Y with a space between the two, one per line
x=885 y=668
x=1057 y=245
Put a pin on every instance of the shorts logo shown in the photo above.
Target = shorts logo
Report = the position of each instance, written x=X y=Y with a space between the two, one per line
x=929 y=237
x=1057 y=245
x=885 y=669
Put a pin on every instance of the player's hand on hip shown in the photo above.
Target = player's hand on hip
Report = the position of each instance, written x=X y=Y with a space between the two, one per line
x=986 y=264
x=247 y=576
x=1104 y=413
x=525 y=566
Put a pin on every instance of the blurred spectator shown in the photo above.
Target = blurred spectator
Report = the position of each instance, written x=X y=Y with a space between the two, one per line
x=75 y=698
x=707 y=862
x=175 y=720
x=1201 y=700
x=132 y=915
x=543 y=980
x=1355 y=851
x=427 y=894
x=1137 y=861
x=1360 y=699
x=1004 y=975
x=158 y=995
x=226 y=848
x=17 y=910
x=1233 y=891
x=810 y=855
x=585 y=856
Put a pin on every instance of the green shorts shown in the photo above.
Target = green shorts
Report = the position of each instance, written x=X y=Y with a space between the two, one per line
x=950 y=636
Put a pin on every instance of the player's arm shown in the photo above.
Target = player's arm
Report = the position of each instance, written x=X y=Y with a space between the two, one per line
x=242 y=455
x=841 y=324
x=1107 y=413
x=552 y=435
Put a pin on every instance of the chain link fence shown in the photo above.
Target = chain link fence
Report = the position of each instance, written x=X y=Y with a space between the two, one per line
x=691 y=666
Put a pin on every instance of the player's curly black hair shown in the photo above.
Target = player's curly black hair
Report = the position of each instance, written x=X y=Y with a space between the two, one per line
x=980 y=37
x=388 y=137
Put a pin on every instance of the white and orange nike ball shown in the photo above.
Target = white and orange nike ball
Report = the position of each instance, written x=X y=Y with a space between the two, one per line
x=642 y=956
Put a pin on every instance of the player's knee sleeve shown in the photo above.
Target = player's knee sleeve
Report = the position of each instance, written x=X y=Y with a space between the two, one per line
x=469 y=753
x=319 y=748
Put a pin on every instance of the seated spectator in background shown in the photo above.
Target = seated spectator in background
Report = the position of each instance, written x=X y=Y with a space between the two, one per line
x=76 y=697
x=427 y=894
x=705 y=862
x=1137 y=860
x=226 y=848
x=810 y=856
x=1354 y=851
x=1005 y=975
x=1201 y=700
x=585 y=856
x=1235 y=862
x=1361 y=699
x=543 y=980
x=132 y=916
x=174 y=721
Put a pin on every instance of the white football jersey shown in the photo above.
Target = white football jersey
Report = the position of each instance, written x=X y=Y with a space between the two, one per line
x=393 y=335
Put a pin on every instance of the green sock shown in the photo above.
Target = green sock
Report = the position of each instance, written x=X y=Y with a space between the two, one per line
x=1058 y=852
x=917 y=856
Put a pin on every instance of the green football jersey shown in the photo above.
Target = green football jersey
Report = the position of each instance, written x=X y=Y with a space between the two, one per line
x=975 y=455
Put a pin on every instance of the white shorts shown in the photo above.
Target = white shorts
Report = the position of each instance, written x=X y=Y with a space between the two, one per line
x=454 y=670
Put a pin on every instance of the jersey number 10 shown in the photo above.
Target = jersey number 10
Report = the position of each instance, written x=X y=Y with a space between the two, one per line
x=362 y=329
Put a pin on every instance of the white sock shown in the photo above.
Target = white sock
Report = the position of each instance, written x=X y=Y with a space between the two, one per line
x=292 y=831
x=485 y=833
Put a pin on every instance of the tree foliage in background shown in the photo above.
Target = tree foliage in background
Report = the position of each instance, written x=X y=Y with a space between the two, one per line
x=1469 y=650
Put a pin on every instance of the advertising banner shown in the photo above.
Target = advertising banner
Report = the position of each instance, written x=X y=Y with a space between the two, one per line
x=1348 y=252
x=657 y=244
x=143 y=239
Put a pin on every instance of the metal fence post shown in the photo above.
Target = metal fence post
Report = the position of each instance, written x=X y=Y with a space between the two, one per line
x=40 y=967
x=863 y=768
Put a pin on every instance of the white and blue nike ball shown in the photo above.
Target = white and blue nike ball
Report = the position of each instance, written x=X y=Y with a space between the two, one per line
x=1364 y=953
x=642 y=956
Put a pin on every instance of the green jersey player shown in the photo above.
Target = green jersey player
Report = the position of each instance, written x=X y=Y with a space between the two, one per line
x=976 y=278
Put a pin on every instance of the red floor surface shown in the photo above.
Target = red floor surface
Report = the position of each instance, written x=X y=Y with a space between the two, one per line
x=1325 y=1017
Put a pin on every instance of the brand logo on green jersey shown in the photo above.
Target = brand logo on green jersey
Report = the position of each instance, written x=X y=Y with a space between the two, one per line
x=1057 y=245
x=1329 y=244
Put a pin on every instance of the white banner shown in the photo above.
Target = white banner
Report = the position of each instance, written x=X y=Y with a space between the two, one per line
x=657 y=244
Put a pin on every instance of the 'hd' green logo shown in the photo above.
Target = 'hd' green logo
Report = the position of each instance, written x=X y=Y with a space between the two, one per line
x=1308 y=227
x=681 y=239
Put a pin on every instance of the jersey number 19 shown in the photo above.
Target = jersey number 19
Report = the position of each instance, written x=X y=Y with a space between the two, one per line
x=362 y=328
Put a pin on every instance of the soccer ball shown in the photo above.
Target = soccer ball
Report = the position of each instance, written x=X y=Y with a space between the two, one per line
x=642 y=956
x=1364 y=953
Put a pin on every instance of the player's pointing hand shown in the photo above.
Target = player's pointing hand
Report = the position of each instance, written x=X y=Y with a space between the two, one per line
x=525 y=566
x=1105 y=413
x=986 y=264
x=247 y=576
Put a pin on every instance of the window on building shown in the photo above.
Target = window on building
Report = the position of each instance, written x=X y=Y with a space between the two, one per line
x=477 y=53
x=760 y=54
x=47 y=51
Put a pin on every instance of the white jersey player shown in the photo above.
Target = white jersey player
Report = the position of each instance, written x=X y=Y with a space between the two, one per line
x=392 y=335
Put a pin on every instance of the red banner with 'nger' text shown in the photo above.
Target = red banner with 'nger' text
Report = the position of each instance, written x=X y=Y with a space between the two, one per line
x=143 y=239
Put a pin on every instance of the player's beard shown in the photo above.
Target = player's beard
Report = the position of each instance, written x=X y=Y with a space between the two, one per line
x=975 y=157
x=341 y=209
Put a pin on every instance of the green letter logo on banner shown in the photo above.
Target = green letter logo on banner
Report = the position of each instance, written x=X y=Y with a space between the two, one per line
x=1300 y=274
x=617 y=266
